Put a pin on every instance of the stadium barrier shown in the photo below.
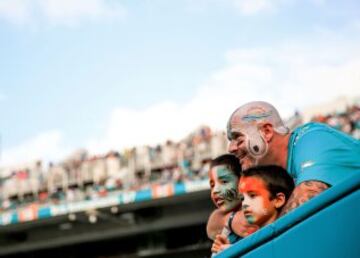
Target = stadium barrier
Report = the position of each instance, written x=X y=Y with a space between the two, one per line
x=34 y=211
x=326 y=226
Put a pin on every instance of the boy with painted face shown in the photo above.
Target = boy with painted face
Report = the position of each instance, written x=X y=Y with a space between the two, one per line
x=224 y=177
x=265 y=190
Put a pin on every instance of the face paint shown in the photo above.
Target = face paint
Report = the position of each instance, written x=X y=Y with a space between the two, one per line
x=246 y=140
x=241 y=143
x=224 y=192
x=250 y=219
x=257 y=205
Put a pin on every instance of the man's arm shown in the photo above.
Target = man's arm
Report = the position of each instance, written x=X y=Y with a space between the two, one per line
x=302 y=193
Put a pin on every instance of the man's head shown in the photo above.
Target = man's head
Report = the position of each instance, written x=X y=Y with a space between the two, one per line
x=265 y=190
x=224 y=176
x=250 y=129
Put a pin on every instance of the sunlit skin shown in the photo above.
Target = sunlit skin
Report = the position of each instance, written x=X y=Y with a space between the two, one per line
x=277 y=145
x=223 y=185
x=258 y=206
x=237 y=144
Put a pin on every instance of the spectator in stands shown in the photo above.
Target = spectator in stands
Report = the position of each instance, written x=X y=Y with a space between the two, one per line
x=36 y=178
x=265 y=190
x=315 y=155
x=57 y=182
x=224 y=176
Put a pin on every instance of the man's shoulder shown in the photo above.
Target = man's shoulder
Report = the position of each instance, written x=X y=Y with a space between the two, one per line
x=322 y=133
x=312 y=126
x=309 y=129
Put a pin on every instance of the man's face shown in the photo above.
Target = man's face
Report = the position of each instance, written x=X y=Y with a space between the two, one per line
x=238 y=143
x=258 y=206
x=223 y=185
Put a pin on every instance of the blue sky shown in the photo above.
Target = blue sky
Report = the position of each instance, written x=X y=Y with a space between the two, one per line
x=100 y=74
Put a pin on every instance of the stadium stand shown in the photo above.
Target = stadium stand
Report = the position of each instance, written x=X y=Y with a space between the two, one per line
x=127 y=203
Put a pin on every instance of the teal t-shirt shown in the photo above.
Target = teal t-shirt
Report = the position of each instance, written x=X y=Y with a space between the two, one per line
x=319 y=152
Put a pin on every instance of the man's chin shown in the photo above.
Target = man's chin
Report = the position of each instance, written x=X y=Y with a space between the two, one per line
x=246 y=165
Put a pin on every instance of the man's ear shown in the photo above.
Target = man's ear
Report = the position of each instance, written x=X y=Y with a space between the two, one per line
x=267 y=131
x=279 y=200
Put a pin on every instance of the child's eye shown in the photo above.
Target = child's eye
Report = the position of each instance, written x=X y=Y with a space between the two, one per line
x=252 y=195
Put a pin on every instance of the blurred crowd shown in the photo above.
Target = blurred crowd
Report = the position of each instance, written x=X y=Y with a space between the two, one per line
x=85 y=177
x=347 y=121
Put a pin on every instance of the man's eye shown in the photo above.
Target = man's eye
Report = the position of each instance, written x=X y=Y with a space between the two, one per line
x=252 y=195
x=240 y=139
x=234 y=136
x=224 y=181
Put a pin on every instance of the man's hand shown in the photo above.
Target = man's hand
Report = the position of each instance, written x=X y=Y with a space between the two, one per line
x=302 y=193
x=220 y=243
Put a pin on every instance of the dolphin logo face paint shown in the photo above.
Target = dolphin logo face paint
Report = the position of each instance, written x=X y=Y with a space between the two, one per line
x=224 y=192
x=246 y=140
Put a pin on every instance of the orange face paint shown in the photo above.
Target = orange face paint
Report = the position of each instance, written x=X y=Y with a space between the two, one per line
x=257 y=205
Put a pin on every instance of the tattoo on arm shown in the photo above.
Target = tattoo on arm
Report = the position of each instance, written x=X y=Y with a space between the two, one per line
x=302 y=193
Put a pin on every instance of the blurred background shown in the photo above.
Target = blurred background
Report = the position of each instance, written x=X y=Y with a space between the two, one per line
x=111 y=111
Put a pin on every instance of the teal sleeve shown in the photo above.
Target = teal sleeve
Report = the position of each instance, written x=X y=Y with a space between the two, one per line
x=326 y=156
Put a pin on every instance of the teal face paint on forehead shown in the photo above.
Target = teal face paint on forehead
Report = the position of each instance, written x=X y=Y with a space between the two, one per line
x=255 y=117
x=225 y=173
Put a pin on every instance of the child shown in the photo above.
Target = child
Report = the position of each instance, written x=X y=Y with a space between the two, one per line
x=265 y=190
x=224 y=176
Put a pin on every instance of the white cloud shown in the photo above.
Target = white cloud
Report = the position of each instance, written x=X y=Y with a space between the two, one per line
x=59 y=12
x=14 y=11
x=291 y=76
x=45 y=146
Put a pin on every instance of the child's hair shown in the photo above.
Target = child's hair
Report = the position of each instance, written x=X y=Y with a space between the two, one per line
x=230 y=161
x=276 y=178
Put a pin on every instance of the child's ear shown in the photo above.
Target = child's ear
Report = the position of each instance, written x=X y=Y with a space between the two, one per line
x=280 y=200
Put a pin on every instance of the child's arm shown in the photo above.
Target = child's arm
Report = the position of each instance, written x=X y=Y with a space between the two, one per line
x=220 y=243
x=215 y=223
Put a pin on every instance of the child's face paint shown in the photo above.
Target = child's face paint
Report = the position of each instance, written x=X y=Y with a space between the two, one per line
x=257 y=205
x=224 y=192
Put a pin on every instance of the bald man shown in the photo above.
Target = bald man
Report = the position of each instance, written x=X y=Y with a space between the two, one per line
x=315 y=155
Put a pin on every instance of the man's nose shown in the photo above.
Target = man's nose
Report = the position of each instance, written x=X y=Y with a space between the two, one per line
x=232 y=147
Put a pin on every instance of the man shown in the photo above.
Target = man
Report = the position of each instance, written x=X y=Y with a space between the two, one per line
x=315 y=155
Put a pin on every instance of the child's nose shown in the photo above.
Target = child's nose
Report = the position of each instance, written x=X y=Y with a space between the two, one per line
x=216 y=189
